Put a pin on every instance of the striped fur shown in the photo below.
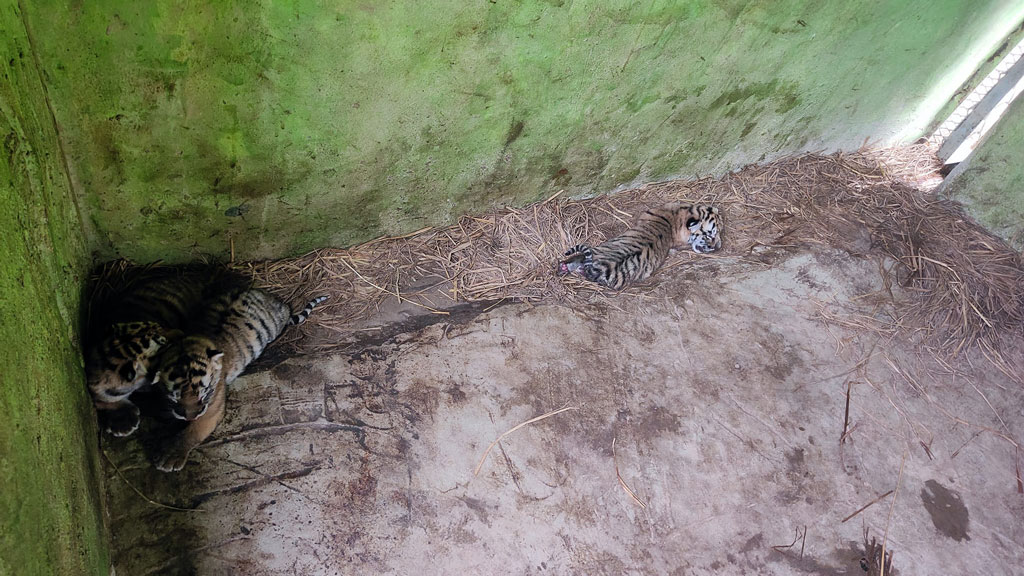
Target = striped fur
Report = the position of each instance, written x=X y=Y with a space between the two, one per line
x=118 y=366
x=303 y=315
x=132 y=315
x=639 y=251
x=194 y=371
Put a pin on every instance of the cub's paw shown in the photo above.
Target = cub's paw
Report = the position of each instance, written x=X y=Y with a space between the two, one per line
x=121 y=421
x=173 y=458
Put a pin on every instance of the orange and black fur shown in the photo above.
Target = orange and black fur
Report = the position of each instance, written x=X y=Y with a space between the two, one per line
x=193 y=372
x=639 y=251
x=132 y=313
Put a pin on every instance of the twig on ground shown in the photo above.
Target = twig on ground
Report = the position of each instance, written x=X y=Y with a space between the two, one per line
x=623 y=482
x=866 y=506
x=513 y=429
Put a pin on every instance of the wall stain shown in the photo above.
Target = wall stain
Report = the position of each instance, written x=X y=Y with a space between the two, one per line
x=514 y=132
x=784 y=93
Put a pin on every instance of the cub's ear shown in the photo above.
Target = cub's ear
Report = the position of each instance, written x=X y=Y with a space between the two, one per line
x=214 y=354
x=156 y=377
x=713 y=210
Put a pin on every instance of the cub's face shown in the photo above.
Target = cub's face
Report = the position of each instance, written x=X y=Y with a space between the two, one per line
x=580 y=257
x=120 y=363
x=189 y=374
x=702 y=224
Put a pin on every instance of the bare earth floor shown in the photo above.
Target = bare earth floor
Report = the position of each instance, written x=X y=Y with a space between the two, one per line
x=721 y=390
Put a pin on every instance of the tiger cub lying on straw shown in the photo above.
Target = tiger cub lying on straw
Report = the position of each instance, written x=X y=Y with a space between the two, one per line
x=193 y=372
x=638 y=252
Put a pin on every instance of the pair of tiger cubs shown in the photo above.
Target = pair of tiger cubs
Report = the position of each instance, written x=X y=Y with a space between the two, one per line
x=186 y=333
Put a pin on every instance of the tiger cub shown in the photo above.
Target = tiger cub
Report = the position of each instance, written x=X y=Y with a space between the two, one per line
x=193 y=372
x=639 y=251
x=132 y=313
x=118 y=366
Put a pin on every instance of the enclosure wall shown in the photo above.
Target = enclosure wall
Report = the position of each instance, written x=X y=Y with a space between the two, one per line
x=276 y=127
x=991 y=183
x=50 y=513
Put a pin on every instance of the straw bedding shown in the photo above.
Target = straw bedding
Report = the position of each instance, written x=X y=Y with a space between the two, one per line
x=967 y=285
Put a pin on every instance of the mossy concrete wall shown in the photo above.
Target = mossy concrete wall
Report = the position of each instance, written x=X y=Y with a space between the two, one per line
x=50 y=513
x=284 y=126
x=990 y=183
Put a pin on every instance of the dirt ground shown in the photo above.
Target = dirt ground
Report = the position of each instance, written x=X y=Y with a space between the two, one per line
x=718 y=397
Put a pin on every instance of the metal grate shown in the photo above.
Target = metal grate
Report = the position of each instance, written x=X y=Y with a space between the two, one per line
x=979 y=104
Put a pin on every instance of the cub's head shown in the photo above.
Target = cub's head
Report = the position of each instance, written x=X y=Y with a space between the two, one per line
x=702 y=226
x=121 y=362
x=188 y=375
x=580 y=257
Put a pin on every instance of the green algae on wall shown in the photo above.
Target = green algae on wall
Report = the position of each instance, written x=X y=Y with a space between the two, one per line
x=990 y=183
x=50 y=504
x=283 y=126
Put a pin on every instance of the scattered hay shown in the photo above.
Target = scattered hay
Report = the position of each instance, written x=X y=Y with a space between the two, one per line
x=491 y=446
x=622 y=482
x=967 y=284
x=866 y=506
x=872 y=563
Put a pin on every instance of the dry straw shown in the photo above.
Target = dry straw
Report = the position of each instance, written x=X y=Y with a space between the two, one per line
x=966 y=285
x=491 y=446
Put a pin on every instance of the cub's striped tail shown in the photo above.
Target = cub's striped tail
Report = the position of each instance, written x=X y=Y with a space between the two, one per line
x=301 y=317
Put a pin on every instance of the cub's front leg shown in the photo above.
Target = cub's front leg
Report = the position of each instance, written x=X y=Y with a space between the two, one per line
x=176 y=451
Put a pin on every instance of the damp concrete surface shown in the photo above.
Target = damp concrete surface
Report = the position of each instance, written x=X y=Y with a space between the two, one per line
x=702 y=435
